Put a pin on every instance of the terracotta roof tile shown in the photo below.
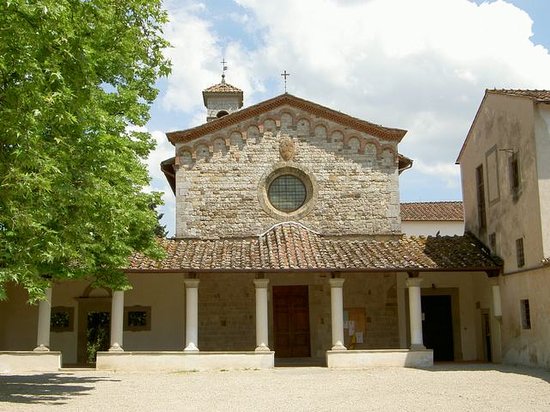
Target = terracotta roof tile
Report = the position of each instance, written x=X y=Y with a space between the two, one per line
x=449 y=211
x=538 y=95
x=222 y=88
x=291 y=246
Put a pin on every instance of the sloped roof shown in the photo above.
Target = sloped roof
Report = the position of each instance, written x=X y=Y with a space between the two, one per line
x=538 y=96
x=184 y=136
x=222 y=87
x=445 y=211
x=292 y=247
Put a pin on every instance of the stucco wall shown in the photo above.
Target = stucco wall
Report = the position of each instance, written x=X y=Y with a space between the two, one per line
x=18 y=321
x=221 y=178
x=504 y=125
x=526 y=346
x=430 y=228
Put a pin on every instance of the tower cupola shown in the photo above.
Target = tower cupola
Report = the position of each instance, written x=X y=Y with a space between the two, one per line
x=222 y=99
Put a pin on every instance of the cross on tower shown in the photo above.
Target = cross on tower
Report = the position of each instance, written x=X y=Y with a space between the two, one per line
x=224 y=68
x=284 y=74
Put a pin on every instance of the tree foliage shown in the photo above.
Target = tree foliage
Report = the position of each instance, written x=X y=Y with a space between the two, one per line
x=74 y=75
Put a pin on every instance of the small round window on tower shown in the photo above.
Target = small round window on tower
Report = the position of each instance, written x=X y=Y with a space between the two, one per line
x=222 y=113
x=287 y=193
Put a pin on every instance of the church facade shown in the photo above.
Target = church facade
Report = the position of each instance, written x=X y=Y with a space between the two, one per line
x=288 y=248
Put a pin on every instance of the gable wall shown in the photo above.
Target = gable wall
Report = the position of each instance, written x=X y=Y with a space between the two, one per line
x=221 y=178
x=504 y=124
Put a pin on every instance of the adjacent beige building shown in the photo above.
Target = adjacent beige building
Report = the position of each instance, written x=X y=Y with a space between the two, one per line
x=505 y=167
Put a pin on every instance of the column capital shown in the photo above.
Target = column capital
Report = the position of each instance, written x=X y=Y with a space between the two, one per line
x=191 y=283
x=411 y=282
x=336 y=282
x=261 y=283
x=494 y=281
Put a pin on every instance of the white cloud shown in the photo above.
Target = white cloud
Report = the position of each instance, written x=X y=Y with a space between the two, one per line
x=196 y=54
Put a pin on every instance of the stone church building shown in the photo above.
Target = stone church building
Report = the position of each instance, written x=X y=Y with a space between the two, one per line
x=288 y=250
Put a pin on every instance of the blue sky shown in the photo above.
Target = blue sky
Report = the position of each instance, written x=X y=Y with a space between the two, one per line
x=419 y=65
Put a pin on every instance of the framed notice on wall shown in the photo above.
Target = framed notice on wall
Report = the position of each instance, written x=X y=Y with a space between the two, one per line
x=355 y=327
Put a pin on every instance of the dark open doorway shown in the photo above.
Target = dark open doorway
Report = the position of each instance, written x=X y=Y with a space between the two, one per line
x=437 y=326
x=98 y=334
x=94 y=329
x=291 y=321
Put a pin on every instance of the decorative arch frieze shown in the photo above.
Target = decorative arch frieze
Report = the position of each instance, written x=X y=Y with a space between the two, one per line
x=269 y=125
x=320 y=131
x=303 y=127
x=286 y=121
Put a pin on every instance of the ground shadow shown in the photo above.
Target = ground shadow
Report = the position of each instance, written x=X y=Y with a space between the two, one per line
x=49 y=388
x=540 y=373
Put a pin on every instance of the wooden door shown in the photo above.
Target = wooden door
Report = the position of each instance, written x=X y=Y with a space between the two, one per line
x=291 y=321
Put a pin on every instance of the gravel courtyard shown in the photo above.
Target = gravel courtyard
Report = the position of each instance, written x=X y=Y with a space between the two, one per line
x=450 y=387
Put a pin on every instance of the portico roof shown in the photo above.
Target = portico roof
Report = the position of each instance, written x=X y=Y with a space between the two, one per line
x=292 y=247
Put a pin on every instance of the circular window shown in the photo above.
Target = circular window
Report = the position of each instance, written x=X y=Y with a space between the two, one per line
x=287 y=193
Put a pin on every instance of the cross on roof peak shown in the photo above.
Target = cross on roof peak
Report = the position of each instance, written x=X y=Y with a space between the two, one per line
x=284 y=74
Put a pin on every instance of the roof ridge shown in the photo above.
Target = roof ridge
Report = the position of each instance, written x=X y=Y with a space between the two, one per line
x=288 y=223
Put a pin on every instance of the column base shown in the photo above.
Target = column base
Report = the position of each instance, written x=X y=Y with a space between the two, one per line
x=417 y=346
x=41 y=348
x=338 y=346
x=262 y=348
x=116 y=348
x=191 y=347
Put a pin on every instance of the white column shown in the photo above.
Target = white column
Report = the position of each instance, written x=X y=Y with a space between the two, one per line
x=337 y=312
x=262 y=334
x=191 y=314
x=44 y=316
x=415 y=313
x=117 y=321
x=497 y=305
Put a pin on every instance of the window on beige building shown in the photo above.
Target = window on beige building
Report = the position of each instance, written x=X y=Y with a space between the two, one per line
x=515 y=176
x=137 y=318
x=482 y=220
x=525 y=314
x=520 y=255
x=62 y=319
x=493 y=242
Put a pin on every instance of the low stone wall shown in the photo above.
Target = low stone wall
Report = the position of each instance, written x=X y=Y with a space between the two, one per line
x=183 y=361
x=358 y=359
x=29 y=361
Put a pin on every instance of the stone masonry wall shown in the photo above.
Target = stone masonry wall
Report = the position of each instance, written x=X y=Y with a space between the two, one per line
x=227 y=311
x=221 y=178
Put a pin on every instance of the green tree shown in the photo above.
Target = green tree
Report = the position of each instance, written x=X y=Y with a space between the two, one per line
x=74 y=75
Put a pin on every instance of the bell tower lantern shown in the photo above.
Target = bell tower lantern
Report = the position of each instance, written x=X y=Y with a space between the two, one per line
x=222 y=99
